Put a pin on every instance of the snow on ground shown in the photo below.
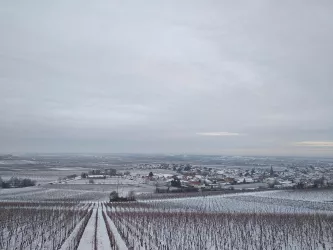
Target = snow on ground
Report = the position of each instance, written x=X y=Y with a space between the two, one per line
x=13 y=191
x=316 y=195
x=69 y=241
x=77 y=189
x=259 y=202
x=46 y=228
x=120 y=180
x=87 y=240
x=68 y=169
x=122 y=189
x=164 y=230
x=103 y=241
x=119 y=240
x=47 y=194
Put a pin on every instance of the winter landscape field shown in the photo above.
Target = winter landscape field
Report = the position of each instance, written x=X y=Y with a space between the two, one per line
x=65 y=211
x=221 y=222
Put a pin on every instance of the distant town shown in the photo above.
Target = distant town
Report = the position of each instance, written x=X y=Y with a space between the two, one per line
x=185 y=177
x=167 y=173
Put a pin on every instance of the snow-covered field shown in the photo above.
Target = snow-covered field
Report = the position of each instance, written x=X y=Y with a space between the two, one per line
x=315 y=195
x=71 y=216
x=65 y=226
x=98 y=186
x=51 y=194
x=45 y=228
x=257 y=202
x=256 y=220
x=78 y=189
x=186 y=229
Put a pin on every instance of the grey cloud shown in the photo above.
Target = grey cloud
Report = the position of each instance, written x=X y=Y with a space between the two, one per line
x=121 y=76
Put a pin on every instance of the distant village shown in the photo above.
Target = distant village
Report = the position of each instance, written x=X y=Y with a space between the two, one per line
x=171 y=177
x=207 y=178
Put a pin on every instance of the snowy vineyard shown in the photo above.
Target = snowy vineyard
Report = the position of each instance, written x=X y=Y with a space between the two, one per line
x=149 y=228
x=55 y=225
x=36 y=226
x=47 y=194
x=244 y=222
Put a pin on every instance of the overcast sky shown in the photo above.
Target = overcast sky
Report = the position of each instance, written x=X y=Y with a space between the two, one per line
x=176 y=76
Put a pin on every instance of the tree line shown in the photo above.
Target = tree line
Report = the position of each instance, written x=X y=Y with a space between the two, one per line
x=15 y=182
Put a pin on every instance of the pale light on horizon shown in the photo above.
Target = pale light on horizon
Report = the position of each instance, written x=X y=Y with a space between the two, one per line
x=315 y=143
x=218 y=134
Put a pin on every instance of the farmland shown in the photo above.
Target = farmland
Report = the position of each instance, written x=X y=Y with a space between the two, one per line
x=70 y=214
x=47 y=194
x=54 y=225
x=38 y=226
x=225 y=222
x=193 y=230
x=231 y=221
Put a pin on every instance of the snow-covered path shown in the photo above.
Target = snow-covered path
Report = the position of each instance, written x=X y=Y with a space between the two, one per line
x=103 y=241
x=91 y=234
x=87 y=240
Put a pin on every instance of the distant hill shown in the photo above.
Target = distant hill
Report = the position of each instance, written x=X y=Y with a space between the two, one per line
x=7 y=157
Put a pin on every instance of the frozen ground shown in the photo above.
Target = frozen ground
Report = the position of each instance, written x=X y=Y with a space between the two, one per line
x=87 y=240
x=49 y=186
x=99 y=233
x=70 y=241
x=77 y=190
x=258 y=202
x=315 y=195
x=51 y=194
x=47 y=227
x=163 y=224
x=103 y=242
x=119 y=240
